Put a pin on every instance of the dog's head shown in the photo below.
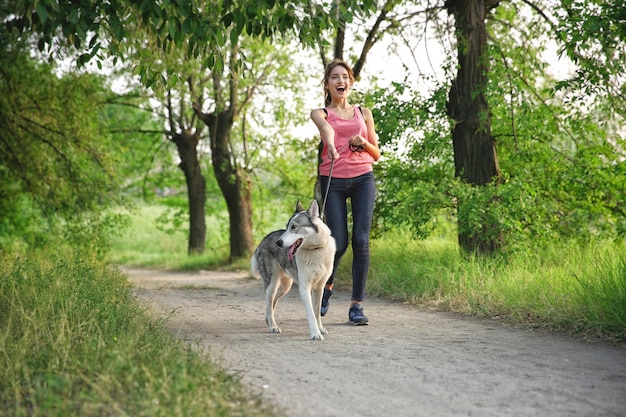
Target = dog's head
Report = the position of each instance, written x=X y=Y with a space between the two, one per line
x=302 y=225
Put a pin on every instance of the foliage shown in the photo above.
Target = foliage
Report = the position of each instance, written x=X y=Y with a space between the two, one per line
x=593 y=35
x=416 y=173
x=57 y=164
x=561 y=154
x=75 y=341
x=282 y=178
x=144 y=161
x=101 y=29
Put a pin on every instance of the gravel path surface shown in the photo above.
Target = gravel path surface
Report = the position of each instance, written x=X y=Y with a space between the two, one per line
x=407 y=362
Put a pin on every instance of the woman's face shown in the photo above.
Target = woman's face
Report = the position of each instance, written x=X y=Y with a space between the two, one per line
x=339 y=83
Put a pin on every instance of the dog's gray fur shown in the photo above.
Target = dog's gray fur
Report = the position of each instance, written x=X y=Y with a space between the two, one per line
x=310 y=265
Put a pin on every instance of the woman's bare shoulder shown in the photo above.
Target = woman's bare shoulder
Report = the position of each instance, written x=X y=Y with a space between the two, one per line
x=366 y=111
x=319 y=113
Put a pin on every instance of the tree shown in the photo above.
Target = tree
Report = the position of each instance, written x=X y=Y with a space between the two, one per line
x=232 y=178
x=475 y=156
x=215 y=98
x=476 y=161
x=186 y=141
x=474 y=148
x=232 y=92
x=185 y=130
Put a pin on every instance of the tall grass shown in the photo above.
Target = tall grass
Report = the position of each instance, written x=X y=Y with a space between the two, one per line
x=74 y=341
x=571 y=287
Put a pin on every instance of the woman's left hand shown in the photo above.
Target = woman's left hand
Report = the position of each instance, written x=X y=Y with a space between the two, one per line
x=357 y=140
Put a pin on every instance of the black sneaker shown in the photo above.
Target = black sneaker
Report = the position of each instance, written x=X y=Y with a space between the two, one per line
x=325 y=299
x=356 y=316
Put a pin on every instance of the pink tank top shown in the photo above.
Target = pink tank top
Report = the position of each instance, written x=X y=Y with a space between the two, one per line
x=350 y=164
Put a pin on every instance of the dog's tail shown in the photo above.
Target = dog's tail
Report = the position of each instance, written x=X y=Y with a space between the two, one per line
x=254 y=267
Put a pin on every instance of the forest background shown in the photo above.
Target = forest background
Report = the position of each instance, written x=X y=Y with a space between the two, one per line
x=175 y=134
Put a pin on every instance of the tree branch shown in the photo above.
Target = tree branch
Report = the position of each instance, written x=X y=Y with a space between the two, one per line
x=372 y=37
x=340 y=36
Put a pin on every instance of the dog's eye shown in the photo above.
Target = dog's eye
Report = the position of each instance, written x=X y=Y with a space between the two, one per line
x=293 y=227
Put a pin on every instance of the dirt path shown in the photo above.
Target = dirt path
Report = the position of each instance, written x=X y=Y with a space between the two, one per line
x=407 y=362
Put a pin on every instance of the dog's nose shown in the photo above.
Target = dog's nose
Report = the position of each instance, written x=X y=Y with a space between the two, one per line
x=279 y=243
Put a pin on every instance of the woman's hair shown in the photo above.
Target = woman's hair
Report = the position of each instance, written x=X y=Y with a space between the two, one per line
x=329 y=68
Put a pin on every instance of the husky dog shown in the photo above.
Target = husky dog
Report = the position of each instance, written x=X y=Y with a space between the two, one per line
x=303 y=253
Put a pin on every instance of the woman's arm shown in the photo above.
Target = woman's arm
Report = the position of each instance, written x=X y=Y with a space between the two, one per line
x=326 y=132
x=370 y=145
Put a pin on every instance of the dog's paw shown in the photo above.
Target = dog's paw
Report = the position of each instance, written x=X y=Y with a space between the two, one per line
x=323 y=330
x=317 y=337
x=274 y=329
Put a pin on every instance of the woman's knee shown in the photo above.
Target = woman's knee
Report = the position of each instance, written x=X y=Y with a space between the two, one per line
x=361 y=241
x=342 y=247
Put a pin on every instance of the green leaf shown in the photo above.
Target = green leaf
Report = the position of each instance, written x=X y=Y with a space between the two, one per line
x=81 y=33
x=227 y=20
x=54 y=5
x=73 y=16
x=93 y=40
x=116 y=27
x=42 y=12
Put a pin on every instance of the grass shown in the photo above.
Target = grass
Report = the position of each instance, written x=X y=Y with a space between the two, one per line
x=74 y=341
x=565 y=286
x=148 y=245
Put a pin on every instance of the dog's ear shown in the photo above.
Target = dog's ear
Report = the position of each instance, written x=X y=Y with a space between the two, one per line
x=314 y=209
x=299 y=206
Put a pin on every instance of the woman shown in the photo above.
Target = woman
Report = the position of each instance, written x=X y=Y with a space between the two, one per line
x=350 y=147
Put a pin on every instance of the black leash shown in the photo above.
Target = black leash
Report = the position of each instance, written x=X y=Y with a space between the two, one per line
x=330 y=175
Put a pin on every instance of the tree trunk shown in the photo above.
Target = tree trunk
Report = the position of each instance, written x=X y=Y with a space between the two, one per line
x=234 y=183
x=475 y=157
x=186 y=143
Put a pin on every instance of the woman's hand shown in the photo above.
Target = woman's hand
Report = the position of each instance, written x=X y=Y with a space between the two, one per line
x=332 y=152
x=357 y=140
x=357 y=143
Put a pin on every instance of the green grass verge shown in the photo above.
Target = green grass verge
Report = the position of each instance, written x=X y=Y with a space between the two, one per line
x=568 y=287
x=74 y=341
